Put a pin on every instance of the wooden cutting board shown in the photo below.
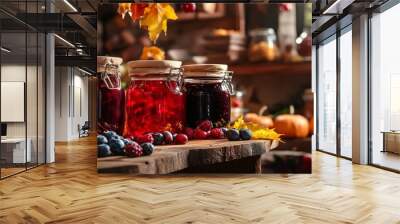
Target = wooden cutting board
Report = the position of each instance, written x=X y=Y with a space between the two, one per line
x=172 y=158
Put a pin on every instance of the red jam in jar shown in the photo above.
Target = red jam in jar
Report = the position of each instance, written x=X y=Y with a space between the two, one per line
x=207 y=88
x=110 y=95
x=154 y=101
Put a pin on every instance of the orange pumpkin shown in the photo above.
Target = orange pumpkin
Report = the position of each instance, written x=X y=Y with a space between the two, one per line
x=266 y=122
x=263 y=121
x=292 y=126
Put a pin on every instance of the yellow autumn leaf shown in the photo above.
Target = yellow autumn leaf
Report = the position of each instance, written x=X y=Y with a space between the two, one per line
x=152 y=53
x=258 y=131
x=123 y=8
x=155 y=18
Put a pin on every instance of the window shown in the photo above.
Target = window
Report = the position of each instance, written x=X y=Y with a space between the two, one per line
x=22 y=76
x=326 y=96
x=346 y=93
x=385 y=87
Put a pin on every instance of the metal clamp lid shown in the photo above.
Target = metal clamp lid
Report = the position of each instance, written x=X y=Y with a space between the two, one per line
x=111 y=76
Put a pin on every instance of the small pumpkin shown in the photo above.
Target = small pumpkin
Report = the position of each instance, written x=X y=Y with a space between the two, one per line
x=292 y=125
x=263 y=121
x=266 y=122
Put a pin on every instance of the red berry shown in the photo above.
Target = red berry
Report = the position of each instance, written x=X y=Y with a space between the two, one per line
x=168 y=137
x=205 y=125
x=189 y=132
x=217 y=133
x=208 y=134
x=199 y=134
x=146 y=138
x=188 y=7
x=181 y=139
x=133 y=150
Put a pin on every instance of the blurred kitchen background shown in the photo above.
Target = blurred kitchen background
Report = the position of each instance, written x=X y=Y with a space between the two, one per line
x=267 y=46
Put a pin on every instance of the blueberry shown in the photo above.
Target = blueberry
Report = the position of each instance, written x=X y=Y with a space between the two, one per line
x=117 y=146
x=224 y=130
x=101 y=139
x=148 y=148
x=168 y=138
x=245 y=134
x=110 y=134
x=233 y=135
x=103 y=150
x=127 y=141
x=158 y=138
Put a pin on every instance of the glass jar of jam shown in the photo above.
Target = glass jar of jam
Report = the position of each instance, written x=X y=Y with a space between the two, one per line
x=207 y=88
x=110 y=95
x=154 y=101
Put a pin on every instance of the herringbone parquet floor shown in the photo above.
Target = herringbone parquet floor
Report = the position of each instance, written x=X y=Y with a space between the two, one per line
x=71 y=191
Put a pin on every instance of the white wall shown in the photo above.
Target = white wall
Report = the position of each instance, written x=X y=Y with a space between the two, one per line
x=71 y=94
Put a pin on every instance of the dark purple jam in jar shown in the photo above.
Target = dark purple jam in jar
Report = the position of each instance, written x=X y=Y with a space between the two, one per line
x=111 y=97
x=208 y=89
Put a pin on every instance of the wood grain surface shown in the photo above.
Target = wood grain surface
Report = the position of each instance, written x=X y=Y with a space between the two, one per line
x=171 y=158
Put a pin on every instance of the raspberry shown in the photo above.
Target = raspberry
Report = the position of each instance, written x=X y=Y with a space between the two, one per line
x=217 y=133
x=189 y=133
x=205 y=125
x=181 y=139
x=133 y=150
x=199 y=134
x=145 y=138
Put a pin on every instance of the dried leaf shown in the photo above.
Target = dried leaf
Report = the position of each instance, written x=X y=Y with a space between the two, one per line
x=137 y=10
x=123 y=8
x=155 y=18
x=152 y=53
x=258 y=131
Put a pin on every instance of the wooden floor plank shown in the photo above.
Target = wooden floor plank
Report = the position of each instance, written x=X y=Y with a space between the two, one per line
x=71 y=191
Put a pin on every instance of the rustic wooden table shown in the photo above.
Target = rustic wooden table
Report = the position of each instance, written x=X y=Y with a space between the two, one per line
x=199 y=156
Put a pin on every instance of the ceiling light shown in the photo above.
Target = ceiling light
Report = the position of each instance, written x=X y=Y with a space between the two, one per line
x=65 y=41
x=5 y=50
x=84 y=71
x=337 y=7
x=70 y=5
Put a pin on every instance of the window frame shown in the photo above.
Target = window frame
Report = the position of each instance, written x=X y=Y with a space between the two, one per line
x=346 y=27
x=378 y=10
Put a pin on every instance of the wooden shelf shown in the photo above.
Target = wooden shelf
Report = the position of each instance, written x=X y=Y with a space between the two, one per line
x=294 y=68
x=197 y=153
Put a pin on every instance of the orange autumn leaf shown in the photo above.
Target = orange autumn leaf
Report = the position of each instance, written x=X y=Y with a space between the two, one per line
x=123 y=8
x=152 y=53
x=137 y=10
x=155 y=18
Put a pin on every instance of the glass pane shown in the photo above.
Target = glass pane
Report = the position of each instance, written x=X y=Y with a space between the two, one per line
x=346 y=94
x=31 y=97
x=385 y=84
x=327 y=97
x=32 y=87
x=41 y=99
x=13 y=86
